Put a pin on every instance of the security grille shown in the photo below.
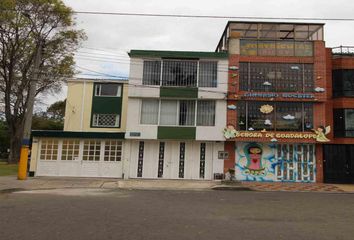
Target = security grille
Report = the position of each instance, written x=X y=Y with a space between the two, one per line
x=105 y=120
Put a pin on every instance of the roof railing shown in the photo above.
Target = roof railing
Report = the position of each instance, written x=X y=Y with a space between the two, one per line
x=343 y=50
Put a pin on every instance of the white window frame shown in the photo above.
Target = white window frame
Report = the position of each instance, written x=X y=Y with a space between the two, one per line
x=197 y=73
x=178 y=113
x=98 y=90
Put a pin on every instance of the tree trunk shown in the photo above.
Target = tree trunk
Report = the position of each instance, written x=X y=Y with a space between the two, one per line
x=15 y=144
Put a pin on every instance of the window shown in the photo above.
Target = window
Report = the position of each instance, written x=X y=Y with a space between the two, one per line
x=112 y=150
x=285 y=116
x=349 y=122
x=49 y=149
x=149 y=111
x=343 y=83
x=168 y=114
x=92 y=150
x=108 y=90
x=151 y=72
x=105 y=120
x=343 y=122
x=276 y=77
x=208 y=74
x=186 y=112
x=180 y=73
x=289 y=116
x=206 y=113
x=70 y=150
x=178 y=112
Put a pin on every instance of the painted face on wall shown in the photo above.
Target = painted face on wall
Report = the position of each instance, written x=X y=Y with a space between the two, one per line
x=254 y=158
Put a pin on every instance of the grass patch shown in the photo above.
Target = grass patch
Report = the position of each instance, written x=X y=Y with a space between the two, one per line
x=7 y=169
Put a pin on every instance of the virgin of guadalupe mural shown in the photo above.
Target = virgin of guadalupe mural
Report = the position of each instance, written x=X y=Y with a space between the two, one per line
x=253 y=153
x=255 y=162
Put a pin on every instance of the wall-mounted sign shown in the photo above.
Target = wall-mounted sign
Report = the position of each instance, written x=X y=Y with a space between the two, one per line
x=134 y=134
x=279 y=95
x=319 y=134
x=223 y=155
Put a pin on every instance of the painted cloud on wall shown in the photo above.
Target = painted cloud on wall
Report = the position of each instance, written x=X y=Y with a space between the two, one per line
x=289 y=117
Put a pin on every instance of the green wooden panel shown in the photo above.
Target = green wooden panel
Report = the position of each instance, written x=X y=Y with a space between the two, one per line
x=70 y=134
x=176 y=132
x=179 y=92
x=177 y=54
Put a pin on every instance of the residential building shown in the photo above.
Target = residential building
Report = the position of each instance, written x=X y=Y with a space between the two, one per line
x=92 y=143
x=176 y=113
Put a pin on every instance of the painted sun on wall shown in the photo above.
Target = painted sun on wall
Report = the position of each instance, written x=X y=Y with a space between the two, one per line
x=275 y=162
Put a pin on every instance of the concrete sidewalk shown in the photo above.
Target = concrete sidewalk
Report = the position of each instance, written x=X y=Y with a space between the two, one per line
x=10 y=183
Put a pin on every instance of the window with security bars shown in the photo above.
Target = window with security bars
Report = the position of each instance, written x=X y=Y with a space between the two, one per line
x=186 y=112
x=276 y=77
x=206 y=113
x=151 y=72
x=112 y=151
x=208 y=74
x=70 y=150
x=92 y=150
x=49 y=149
x=180 y=73
x=105 y=120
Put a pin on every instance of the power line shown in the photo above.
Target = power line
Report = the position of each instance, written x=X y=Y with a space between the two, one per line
x=208 y=16
x=199 y=16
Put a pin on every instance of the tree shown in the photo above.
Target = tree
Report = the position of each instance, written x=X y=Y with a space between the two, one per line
x=25 y=27
x=57 y=110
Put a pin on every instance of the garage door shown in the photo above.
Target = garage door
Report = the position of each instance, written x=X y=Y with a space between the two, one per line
x=171 y=160
x=80 y=158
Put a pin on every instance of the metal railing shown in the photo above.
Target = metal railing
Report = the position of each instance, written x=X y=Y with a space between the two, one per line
x=343 y=50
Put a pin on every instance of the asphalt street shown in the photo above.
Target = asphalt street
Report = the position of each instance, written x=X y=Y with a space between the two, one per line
x=123 y=214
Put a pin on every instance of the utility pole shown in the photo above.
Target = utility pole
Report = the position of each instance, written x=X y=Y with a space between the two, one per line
x=22 y=168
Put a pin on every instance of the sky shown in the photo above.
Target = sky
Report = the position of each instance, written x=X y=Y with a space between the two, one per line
x=111 y=37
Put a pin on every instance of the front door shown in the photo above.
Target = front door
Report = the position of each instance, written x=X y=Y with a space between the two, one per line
x=338 y=163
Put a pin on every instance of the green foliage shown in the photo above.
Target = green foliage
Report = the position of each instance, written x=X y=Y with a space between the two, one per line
x=26 y=27
x=57 y=110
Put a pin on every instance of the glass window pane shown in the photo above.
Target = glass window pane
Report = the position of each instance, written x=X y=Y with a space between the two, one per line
x=168 y=115
x=186 y=112
x=149 y=111
x=206 y=113
x=151 y=72
x=289 y=116
x=208 y=74
x=110 y=89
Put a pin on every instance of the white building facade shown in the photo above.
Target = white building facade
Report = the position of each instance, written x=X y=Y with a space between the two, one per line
x=176 y=113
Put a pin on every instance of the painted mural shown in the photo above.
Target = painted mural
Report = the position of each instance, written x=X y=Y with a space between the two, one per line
x=268 y=162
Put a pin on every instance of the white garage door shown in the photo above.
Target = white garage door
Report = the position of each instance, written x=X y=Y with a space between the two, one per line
x=80 y=158
x=171 y=160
